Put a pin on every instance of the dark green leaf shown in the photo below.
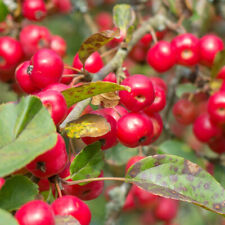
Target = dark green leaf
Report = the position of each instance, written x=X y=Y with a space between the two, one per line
x=6 y=95
x=26 y=131
x=17 y=191
x=95 y=42
x=3 y=11
x=66 y=220
x=123 y=16
x=219 y=174
x=185 y=88
x=7 y=218
x=218 y=63
x=77 y=94
x=175 y=177
x=88 y=125
x=88 y=163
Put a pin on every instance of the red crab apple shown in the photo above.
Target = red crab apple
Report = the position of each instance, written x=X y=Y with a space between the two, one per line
x=156 y=81
x=117 y=112
x=104 y=21
x=58 y=45
x=64 y=6
x=134 y=129
x=51 y=162
x=55 y=103
x=141 y=95
x=46 y=68
x=71 y=205
x=35 y=212
x=33 y=37
x=217 y=145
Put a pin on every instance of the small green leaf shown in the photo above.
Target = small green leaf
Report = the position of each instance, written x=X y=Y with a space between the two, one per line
x=177 y=178
x=123 y=16
x=6 y=95
x=88 y=125
x=95 y=42
x=185 y=88
x=219 y=174
x=88 y=163
x=17 y=191
x=66 y=220
x=7 y=218
x=3 y=11
x=26 y=131
x=77 y=94
x=218 y=63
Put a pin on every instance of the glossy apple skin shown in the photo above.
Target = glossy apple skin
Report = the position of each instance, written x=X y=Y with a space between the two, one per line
x=11 y=53
x=33 y=37
x=53 y=161
x=134 y=129
x=216 y=107
x=55 y=103
x=161 y=56
x=35 y=212
x=217 y=144
x=56 y=87
x=34 y=9
x=58 y=45
x=186 y=47
x=157 y=81
x=108 y=140
x=23 y=78
x=71 y=205
x=117 y=112
x=141 y=95
x=111 y=77
x=47 y=68
x=93 y=64
x=64 y=6
x=209 y=46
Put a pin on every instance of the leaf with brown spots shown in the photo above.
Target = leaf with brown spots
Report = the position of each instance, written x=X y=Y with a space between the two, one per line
x=177 y=178
x=77 y=94
x=88 y=125
x=65 y=220
x=108 y=100
x=95 y=42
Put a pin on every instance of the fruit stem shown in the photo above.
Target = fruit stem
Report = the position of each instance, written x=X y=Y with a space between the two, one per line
x=122 y=179
x=72 y=68
x=58 y=188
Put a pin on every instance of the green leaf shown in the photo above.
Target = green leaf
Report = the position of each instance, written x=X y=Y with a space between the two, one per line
x=123 y=16
x=179 y=148
x=218 y=63
x=88 y=163
x=95 y=42
x=120 y=154
x=66 y=220
x=88 y=125
x=185 y=88
x=6 y=95
x=26 y=131
x=17 y=191
x=219 y=174
x=77 y=94
x=3 y=11
x=177 y=178
x=7 y=218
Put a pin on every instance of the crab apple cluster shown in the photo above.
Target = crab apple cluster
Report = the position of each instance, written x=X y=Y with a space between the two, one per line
x=186 y=50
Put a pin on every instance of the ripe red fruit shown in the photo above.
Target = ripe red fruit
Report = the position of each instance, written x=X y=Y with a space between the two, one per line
x=111 y=77
x=2 y=182
x=184 y=111
x=134 y=129
x=216 y=107
x=133 y=160
x=141 y=95
x=146 y=40
x=129 y=203
x=56 y=87
x=166 y=209
x=85 y=192
x=64 y=6
x=117 y=112
x=11 y=53
x=93 y=64
x=35 y=212
x=58 y=45
x=23 y=78
x=161 y=56
x=159 y=101
x=217 y=145
x=204 y=129
x=46 y=68
x=156 y=81
x=221 y=73
x=147 y=218
x=104 y=21
x=43 y=185
x=55 y=103
x=108 y=140
x=186 y=47
x=71 y=205
x=34 y=9
x=209 y=46
x=138 y=53
x=51 y=162
x=34 y=37
x=67 y=80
